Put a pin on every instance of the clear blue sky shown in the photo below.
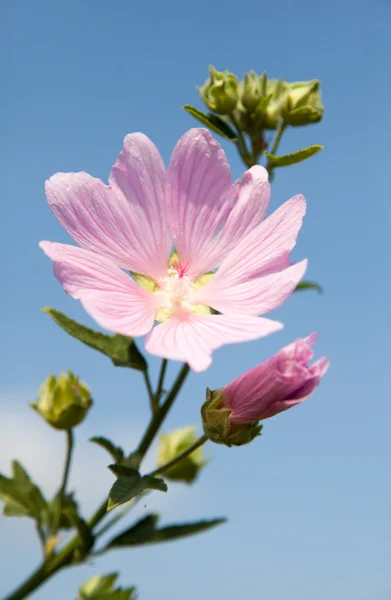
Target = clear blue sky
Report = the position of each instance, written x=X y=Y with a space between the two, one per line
x=309 y=502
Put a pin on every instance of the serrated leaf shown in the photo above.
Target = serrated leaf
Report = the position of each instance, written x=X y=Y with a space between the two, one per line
x=130 y=484
x=121 y=349
x=212 y=121
x=21 y=497
x=145 y=531
x=115 y=452
x=309 y=285
x=102 y=588
x=294 y=157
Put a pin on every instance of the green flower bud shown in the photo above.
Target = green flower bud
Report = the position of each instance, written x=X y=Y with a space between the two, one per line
x=275 y=96
x=173 y=444
x=220 y=92
x=251 y=91
x=303 y=104
x=64 y=401
x=218 y=427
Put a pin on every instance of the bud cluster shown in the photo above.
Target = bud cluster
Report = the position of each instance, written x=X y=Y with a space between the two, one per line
x=257 y=103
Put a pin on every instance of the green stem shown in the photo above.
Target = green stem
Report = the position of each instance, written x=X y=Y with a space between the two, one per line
x=276 y=142
x=64 y=556
x=152 y=397
x=200 y=442
x=159 y=417
x=242 y=147
x=160 y=384
x=65 y=477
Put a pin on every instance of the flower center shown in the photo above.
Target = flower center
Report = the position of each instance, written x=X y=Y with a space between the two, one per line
x=174 y=291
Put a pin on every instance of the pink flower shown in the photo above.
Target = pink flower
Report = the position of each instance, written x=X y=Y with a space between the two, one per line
x=275 y=385
x=134 y=224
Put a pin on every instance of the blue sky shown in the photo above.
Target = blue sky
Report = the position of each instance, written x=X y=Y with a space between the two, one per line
x=308 y=503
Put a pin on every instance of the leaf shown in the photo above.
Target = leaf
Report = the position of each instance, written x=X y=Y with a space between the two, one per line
x=294 y=157
x=115 y=451
x=101 y=588
x=21 y=497
x=145 y=531
x=121 y=349
x=130 y=484
x=212 y=121
x=309 y=285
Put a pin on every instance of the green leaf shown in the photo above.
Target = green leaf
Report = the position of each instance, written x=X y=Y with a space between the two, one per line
x=130 y=484
x=115 y=451
x=294 y=157
x=309 y=285
x=212 y=121
x=21 y=497
x=121 y=349
x=145 y=531
x=101 y=588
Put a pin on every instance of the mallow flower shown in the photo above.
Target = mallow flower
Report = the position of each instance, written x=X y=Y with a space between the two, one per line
x=184 y=247
x=231 y=414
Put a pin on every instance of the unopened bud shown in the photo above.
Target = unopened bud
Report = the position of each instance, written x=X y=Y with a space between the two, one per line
x=64 y=401
x=220 y=92
x=251 y=91
x=173 y=444
x=303 y=104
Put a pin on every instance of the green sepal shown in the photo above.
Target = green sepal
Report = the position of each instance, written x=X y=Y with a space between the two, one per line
x=121 y=349
x=130 y=484
x=212 y=121
x=294 y=157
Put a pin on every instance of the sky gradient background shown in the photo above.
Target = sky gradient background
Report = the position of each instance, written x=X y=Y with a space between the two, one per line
x=309 y=502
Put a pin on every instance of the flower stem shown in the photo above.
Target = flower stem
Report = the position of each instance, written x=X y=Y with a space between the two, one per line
x=62 y=491
x=276 y=142
x=152 y=397
x=65 y=555
x=200 y=442
x=159 y=417
x=160 y=384
x=241 y=143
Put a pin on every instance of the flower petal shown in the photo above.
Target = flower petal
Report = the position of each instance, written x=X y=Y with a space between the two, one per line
x=111 y=297
x=126 y=224
x=266 y=245
x=192 y=340
x=139 y=173
x=199 y=185
x=253 y=197
x=255 y=297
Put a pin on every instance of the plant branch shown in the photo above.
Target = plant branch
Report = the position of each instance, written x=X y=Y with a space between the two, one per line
x=160 y=384
x=158 y=418
x=276 y=142
x=200 y=442
x=65 y=555
x=151 y=395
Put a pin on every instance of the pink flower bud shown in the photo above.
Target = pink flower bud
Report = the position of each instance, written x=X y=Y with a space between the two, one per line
x=282 y=381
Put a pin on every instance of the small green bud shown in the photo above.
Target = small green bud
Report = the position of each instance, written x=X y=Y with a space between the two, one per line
x=251 y=91
x=173 y=444
x=275 y=96
x=217 y=425
x=303 y=104
x=220 y=92
x=64 y=401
